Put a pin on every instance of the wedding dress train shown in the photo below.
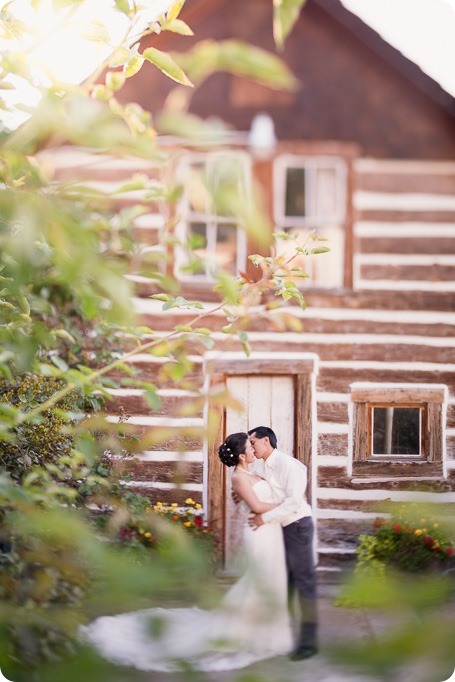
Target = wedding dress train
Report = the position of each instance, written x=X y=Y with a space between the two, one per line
x=251 y=623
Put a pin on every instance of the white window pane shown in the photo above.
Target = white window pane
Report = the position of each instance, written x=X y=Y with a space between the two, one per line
x=326 y=207
x=328 y=268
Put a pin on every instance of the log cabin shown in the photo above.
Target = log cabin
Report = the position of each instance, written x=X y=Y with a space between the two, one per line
x=363 y=152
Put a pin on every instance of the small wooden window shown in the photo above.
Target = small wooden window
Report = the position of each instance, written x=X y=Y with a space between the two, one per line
x=398 y=429
x=211 y=238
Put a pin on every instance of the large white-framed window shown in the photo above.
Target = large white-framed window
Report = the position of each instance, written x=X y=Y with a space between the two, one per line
x=310 y=194
x=210 y=233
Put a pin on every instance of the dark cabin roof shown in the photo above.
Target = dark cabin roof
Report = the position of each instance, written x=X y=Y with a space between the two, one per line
x=388 y=53
x=355 y=87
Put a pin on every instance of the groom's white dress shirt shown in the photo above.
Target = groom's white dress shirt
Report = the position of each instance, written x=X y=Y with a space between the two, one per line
x=288 y=479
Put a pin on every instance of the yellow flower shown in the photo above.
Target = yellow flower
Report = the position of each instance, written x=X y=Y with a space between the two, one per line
x=187 y=524
x=174 y=504
x=418 y=531
x=159 y=504
x=198 y=506
x=147 y=535
x=189 y=501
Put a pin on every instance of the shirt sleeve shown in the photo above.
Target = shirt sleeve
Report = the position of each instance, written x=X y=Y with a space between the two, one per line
x=294 y=482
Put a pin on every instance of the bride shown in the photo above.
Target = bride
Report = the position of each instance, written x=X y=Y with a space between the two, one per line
x=250 y=624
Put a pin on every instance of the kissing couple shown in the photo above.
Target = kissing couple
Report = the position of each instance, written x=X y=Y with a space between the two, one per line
x=256 y=619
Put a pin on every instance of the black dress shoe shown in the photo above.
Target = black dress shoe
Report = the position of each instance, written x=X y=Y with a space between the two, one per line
x=303 y=652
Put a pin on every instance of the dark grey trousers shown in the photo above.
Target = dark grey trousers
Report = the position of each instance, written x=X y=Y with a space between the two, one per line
x=298 y=542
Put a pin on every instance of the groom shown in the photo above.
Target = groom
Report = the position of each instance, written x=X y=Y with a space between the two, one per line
x=288 y=478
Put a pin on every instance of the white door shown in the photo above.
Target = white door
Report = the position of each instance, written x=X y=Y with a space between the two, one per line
x=268 y=401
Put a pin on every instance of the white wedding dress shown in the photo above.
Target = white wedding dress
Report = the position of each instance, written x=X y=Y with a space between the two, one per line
x=251 y=623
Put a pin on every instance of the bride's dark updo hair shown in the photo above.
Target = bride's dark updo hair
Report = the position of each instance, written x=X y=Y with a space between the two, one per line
x=233 y=446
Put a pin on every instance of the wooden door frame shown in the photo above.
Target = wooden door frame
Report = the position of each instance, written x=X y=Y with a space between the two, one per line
x=218 y=366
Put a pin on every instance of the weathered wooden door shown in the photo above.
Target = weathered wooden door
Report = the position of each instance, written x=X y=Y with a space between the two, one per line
x=275 y=390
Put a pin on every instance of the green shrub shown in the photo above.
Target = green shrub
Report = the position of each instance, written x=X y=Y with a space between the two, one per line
x=37 y=442
x=407 y=541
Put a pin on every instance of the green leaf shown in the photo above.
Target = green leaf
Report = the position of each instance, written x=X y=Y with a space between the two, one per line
x=179 y=26
x=101 y=92
x=318 y=249
x=285 y=235
x=243 y=337
x=119 y=57
x=60 y=363
x=133 y=65
x=24 y=304
x=167 y=65
x=152 y=399
x=239 y=58
x=208 y=342
x=122 y=6
x=285 y=15
x=174 y=10
x=97 y=32
x=114 y=80
x=256 y=259
x=64 y=334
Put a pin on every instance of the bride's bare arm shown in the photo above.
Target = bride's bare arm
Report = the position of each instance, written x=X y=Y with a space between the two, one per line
x=245 y=491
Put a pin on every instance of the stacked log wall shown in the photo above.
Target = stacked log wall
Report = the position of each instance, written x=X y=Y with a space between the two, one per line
x=396 y=325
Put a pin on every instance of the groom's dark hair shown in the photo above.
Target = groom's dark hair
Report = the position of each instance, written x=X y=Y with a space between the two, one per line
x=262 y=432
